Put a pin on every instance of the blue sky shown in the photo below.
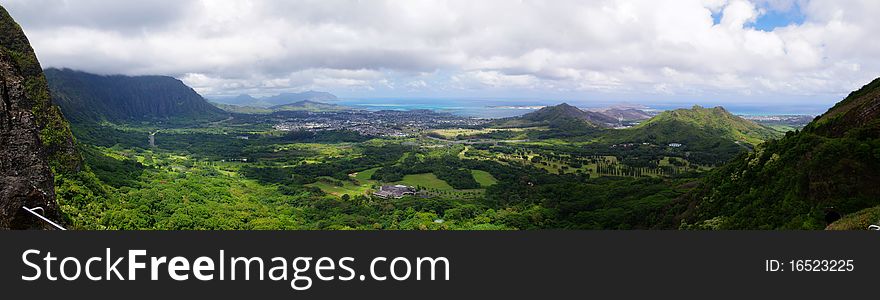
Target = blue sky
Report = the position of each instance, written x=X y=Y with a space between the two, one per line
x=792 y=53
x=772 y=17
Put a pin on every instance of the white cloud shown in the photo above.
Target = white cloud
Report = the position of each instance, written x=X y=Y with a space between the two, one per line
x=737 y=13
x=633 y=47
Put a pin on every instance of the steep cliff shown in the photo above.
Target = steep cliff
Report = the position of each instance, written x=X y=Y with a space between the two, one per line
x=34 y=137
x=92 y=98
x=24 y=168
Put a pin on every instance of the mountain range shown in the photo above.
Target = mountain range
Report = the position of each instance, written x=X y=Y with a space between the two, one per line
x=85 y=97
x=674 y=126
x=304 y=105
x=276 y=100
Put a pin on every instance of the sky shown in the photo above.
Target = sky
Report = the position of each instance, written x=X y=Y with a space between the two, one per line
x=808 y=53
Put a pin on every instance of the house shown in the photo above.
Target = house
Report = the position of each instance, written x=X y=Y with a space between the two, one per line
x=394 y=191
x=675 y=145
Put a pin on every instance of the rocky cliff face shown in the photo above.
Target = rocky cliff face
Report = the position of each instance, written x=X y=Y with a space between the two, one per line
x=24 y=168
x=54 y=129
x=34 y=137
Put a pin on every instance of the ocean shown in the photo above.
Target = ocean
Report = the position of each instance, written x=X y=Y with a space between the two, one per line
x=489 y=109
x=501 y=108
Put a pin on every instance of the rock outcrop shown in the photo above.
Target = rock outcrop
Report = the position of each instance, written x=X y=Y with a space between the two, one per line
x=34 y=137
x=24 y=168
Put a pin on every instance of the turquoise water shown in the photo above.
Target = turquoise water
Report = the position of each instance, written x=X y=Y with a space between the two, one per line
x=467 y=108
x=499 y=108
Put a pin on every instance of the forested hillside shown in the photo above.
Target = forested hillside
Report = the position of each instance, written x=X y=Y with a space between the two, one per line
x=91 y=98
x=712 y=135
x=805 y=180
x=708 y=121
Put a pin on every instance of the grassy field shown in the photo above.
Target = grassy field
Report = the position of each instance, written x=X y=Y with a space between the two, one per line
x=362 y=186
x=365 y=174
x=426 y=180
x=434 y=186
x=484 y=178
x=783 y=128
x=327 y=185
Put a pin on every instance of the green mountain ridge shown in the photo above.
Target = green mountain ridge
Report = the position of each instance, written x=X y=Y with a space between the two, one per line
x=91 y=98
x=717 y=120
x=804 y=180
x=713 y=134
x=565 y=112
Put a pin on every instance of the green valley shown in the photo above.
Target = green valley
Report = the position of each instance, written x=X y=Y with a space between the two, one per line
x=321 y=170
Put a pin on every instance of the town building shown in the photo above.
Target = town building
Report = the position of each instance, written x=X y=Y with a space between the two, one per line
x=394 y=191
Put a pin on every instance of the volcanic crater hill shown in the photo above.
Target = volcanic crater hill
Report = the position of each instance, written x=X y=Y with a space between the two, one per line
x=86 y=97
x=34 y=136
x=561 y=116
x=805 y=180
x=566 y=111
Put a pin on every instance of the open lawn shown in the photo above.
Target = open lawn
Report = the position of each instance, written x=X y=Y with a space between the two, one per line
x=484 y=178
x=365 y=174
x=783 y=128
x=437 y=187
x=426 y=180
x=328 y=186
x=364 y=184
